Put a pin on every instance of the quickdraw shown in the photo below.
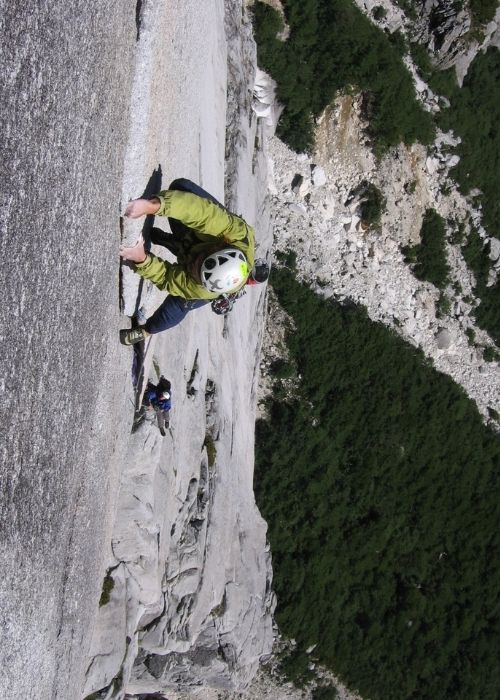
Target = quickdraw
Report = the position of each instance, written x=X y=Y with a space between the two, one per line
x=224 y=304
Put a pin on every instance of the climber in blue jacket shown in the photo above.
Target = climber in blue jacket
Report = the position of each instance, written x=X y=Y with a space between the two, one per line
x=159 y=398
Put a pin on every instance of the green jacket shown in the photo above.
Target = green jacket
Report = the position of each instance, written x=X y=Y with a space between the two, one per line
x=212 y=229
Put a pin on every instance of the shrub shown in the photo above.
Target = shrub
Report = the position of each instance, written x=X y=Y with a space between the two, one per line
x=209 y=444
x=458 y=234
x=325 y=692
x=294 y=665
x=476 y=255
x=280 y=369
x=429 y=256
x=372 y=205
x=379 y=13
x=483 y=11
x=493 y=414
x=288 y=258
x=471 y=335
x=443 y=305
x=268 y=24
x=475 y=116
x=107 y=586
x=490 y=354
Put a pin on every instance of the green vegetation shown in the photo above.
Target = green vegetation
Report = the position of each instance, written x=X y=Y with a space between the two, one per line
x=491 y=355
x=442 y=82
x=220 y=609
x=325 y=692
x=281 y=370
x=474 y=115
x=379 y=13
x=287 y=259
x=429 y=256
x=372 y=205
x=458 y=235
x=294 y=664
x=483 y=11
x=476 y=255
x=107 y=586
x=333 y=46
x=117 y=682
x=379 y=484
x=471 y=336
x=443 y=306
x=211 y=449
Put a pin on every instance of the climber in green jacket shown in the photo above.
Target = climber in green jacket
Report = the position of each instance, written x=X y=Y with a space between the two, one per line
x=215 y=252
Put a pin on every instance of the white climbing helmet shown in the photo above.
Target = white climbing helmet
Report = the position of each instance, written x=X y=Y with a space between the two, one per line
x=224 y=271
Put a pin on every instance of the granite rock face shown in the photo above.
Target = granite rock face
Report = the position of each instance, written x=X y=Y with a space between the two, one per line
x=189 y=568
x=62 y=373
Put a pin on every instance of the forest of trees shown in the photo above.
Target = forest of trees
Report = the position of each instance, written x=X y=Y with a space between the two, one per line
x=379 y=482
x=428 y=257
x=378 y=477
x=483 y=11
x=332 y=46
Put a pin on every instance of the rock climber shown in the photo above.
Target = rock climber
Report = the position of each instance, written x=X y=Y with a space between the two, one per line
x=158 y=398
x=215 y=252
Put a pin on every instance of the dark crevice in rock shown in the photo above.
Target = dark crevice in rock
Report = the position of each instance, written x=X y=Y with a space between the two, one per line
x=191 y=389
x=138 y=19
x=151 y=625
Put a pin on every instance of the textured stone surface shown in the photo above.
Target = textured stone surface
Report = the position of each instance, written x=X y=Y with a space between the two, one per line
x=62 y=376
x=179 y=536
x=188 y=539
x=341 y=258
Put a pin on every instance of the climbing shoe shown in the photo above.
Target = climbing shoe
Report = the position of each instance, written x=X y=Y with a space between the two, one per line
x=131 y=336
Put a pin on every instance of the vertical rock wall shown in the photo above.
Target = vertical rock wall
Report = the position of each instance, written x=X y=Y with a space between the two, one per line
x=191 y=603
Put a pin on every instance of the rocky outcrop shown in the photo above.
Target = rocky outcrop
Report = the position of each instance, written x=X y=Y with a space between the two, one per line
x=445 y=27
x=448 y=31
x=318 y=202
x=318 y=208
x=442 y=25
x=341 y=257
